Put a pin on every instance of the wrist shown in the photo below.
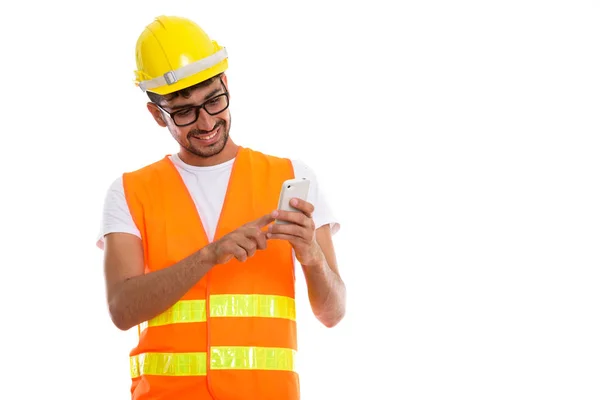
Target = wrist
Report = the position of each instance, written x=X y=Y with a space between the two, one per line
x=205 y=258
x=314 y=256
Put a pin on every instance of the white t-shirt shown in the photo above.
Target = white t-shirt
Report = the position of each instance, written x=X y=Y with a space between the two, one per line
x=207 y=186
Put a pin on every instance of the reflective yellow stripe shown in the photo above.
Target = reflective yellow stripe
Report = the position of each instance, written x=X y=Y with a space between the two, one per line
x=270 y=358
x=252 y=305
x=182 y=312
x=168 y=364
x=222 y=358
x=227 y=305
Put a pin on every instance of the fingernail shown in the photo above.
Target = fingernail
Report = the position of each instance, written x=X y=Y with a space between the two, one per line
x=268 y=235
x=274 y=214
x=294 y=202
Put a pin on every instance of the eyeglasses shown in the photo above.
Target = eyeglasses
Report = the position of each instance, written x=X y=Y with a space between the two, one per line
x=189 y=115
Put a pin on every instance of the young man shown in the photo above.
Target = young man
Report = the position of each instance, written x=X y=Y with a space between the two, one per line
x=192 y=256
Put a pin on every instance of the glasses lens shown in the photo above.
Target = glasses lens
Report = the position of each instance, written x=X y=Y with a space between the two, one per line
x=216 y=104
x=186 y=116
x=213 y=106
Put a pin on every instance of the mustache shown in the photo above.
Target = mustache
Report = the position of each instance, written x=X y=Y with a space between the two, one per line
x=198 y=132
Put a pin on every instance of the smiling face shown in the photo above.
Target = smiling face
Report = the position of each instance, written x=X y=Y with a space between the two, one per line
x=199 y=120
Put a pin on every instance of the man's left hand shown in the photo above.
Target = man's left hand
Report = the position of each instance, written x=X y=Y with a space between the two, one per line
x=300 y=231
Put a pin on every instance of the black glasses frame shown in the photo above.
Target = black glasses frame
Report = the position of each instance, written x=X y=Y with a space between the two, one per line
x=197 y=109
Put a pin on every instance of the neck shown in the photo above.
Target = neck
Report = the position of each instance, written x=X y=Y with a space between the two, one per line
x=228 y=153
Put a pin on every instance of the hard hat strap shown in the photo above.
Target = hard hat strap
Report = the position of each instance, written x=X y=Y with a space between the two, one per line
x=171 y=77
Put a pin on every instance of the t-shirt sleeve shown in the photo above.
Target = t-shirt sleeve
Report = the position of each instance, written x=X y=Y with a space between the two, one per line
x=323 y=213
x=116 y=216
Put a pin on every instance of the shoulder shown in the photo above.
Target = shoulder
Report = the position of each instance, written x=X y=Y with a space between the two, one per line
x=146 y=172
x=268 y=158
x=130 y=185
x=114 y=190
x=300 y=168
x=303 y=170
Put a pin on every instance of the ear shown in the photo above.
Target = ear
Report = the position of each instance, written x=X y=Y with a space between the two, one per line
x=156 y=114
x=224 y=77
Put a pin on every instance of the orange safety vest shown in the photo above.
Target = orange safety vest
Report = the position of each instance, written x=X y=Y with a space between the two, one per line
x=233 y=335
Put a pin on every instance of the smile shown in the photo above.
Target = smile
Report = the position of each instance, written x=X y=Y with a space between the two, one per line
x=212 y=135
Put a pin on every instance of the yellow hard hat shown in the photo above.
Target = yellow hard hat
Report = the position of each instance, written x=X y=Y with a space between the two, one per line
x=173 y=53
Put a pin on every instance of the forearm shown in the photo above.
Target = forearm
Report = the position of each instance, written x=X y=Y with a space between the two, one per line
x=326 y=292
x=143 y=297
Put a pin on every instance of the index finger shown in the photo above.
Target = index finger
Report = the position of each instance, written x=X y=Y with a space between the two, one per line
x=262 y=221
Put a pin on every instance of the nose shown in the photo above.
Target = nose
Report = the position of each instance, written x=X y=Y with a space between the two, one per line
x=205 y=121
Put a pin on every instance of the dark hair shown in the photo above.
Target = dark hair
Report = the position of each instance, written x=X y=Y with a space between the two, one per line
x=185 y=93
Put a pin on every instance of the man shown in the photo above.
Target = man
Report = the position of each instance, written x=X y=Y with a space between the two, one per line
x=192 y=256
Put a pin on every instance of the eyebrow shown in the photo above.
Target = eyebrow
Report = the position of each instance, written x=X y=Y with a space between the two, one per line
x=208 y=96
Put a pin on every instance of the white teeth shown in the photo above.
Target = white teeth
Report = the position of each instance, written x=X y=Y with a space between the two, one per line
x=207 y=137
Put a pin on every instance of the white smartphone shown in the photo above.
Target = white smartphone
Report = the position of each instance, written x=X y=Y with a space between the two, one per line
x=291 y=188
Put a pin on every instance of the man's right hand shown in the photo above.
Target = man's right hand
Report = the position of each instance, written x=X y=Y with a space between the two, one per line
x=241 y=243
x=135 y=296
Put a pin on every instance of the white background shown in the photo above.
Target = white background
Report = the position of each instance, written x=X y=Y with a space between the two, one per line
x=457 y=142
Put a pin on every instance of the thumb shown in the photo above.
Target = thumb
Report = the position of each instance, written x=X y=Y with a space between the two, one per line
x=262 y=221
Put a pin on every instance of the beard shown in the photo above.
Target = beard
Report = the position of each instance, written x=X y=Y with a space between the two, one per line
x=195 y=147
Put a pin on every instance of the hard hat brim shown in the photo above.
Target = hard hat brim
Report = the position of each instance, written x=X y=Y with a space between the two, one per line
x=188 y=75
